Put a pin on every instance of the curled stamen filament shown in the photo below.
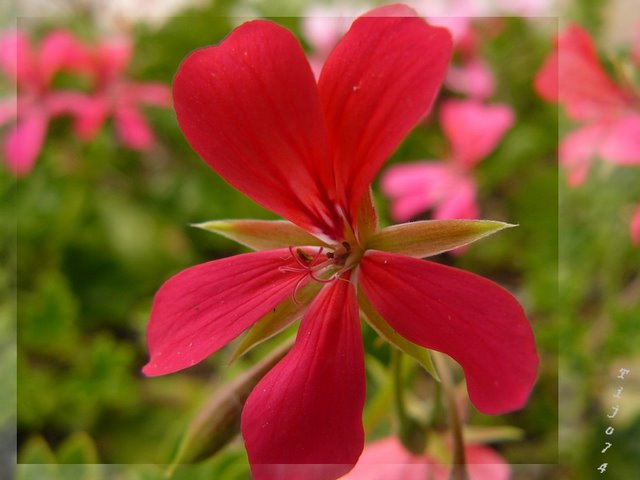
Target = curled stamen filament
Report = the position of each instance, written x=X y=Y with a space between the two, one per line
x=306 y=265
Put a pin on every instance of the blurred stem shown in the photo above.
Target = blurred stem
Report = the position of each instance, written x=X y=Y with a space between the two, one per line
x=398 y=390
x=218 y=422
x=412 y=434
x=458 y=464
x=437 y=411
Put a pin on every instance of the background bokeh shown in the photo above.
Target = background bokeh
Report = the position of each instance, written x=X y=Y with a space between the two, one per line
x=95 y=229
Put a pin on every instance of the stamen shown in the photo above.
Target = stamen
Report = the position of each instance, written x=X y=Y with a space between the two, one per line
x=295 y=290
x=309 y=267
x=304 y=256
x=313 y=275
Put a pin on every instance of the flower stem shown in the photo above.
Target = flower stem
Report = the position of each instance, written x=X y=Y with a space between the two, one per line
x=396 y=364
x=218 y=421
x=458 y=463
x=412 y=434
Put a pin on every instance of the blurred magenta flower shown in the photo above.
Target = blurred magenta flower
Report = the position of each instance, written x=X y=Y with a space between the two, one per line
x=448 y=187
x=308 y=151
x=113 y=95
x=387 y=459
x=36 y=103
x=610 y=113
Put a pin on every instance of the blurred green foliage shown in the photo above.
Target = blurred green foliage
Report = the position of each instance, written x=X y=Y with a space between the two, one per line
x=99 y=228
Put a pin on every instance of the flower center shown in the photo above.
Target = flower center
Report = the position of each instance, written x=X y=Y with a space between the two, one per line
x=318 y=267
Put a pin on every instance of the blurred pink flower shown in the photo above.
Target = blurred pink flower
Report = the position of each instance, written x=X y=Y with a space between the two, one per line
x=471 y=74
x=473 y=130
x=387 y=459
x=482 y=8
x=323 y=26
x=114 y=95
x=609 y=113
x=36 y=102
x=473 y=77
x=634 y=227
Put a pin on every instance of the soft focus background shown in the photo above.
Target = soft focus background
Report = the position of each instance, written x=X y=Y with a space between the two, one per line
x=96 y=227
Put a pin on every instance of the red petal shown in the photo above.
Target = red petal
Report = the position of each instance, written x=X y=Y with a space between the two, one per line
x=303 y=420
x=380 y=80
x=473 y=320
x=474 y=129
x=202 y=308
x=250 y=108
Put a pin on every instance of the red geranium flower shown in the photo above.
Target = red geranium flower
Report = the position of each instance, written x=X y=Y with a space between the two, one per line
x=252 y=109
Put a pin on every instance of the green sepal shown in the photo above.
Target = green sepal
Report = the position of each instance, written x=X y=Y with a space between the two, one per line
x=430 y=237
x=262 y=234
x=373 y=318
x=277 y=320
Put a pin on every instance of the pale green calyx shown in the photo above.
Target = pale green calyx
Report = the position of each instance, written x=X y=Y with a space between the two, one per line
x=262 y=234
x=430 y=237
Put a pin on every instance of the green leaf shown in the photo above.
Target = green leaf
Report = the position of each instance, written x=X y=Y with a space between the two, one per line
x=37 y=461
x=78 y=448
x=262 y=234
x=373 y=318
x=430 y=237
